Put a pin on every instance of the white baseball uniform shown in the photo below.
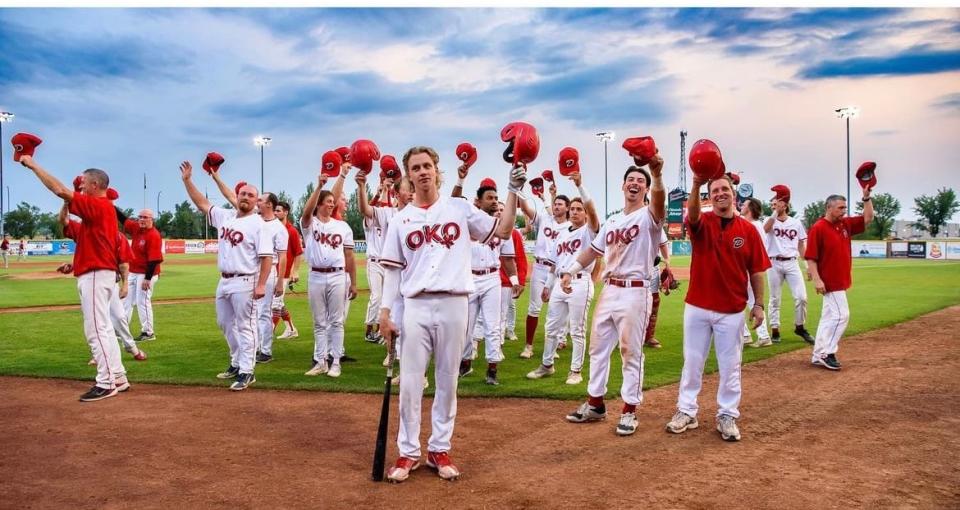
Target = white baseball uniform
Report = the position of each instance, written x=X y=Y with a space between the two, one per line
x=783 y=242
x=485 y=298
x=328 y=288
x=431 y=247
x=276 y=233
x=241 y=244
x=548 y=229
x=762 y=332
x=121 y=323
x=374 y=230
x=628 y=243
x=569 y=309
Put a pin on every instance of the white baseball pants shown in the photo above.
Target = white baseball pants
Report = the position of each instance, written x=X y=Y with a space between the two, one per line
x=619 y=320
x=96 y=289
x=327 y=293
x=121 y=323
x=537 y=282
x=143 y=299
x=237 y=318
x=265 y=315
x=762 y=332
x=485 y=299
x=833 y=322
x=789 y=271
x=375 y=282
x=699 y=326
x=508 y=311
x=563 y=310
x=432 y=324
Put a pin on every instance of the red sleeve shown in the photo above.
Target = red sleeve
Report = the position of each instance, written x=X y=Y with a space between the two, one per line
x=520 y=256
x=695 y=228
x=83 y=206
x=294 y=245
x=813 y=243
x=855 y=225
x=131 y=226
x=154 y=246
x=123 y=250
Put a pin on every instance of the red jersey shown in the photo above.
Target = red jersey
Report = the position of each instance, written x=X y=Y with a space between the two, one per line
x=520 y=258
x=723 y=258
x=96 y=237
x=294 y=248
x=828 y=244
x=147 y=247
x=4 y=245
x=123 y=253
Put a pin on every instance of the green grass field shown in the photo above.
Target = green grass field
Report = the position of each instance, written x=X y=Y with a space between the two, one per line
x=191 y=350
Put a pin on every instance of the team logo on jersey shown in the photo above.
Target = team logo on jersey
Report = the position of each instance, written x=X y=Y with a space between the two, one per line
x=234 y=237
x=550 y=233
x=494 y=243
x=571 y=247
x=790 y=233
x=738 y=243
x=444 y=235
x=332 y=240
x=623 y=236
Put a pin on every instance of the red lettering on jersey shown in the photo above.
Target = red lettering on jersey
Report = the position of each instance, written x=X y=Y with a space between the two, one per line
x=623 y=236
x=332 y=240
x=444 y=235
x=550 y=233
x=571 y=247
x=790 y=234
x=234 y=237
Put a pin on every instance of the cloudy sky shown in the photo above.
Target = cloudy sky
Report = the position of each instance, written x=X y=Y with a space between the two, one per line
x=137 y=90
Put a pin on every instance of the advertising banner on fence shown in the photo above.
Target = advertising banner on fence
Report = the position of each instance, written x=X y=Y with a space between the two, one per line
x=917 y=250
x=359 y=246
x=173 y=246
x=953 y=251
x=869 y=249
x=193 y=247
x=898 y=249
x=680 y=248
x=211 y=246
x=56 y=247
x=936 y=250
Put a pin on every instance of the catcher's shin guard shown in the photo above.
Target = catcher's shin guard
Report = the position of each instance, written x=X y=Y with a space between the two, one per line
x=652 y=324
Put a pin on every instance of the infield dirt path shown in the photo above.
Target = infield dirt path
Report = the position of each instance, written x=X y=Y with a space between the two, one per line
x=883 y=432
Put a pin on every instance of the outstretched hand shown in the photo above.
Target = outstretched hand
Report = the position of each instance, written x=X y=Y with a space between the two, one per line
x=186 y=170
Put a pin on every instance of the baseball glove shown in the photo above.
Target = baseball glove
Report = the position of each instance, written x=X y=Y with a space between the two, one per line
x=668 y=282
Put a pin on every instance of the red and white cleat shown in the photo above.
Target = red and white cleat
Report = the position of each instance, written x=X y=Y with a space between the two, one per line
x=401 y=470
x=444 y=466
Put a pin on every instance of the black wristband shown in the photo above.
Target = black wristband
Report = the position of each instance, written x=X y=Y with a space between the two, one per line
x=866 y=199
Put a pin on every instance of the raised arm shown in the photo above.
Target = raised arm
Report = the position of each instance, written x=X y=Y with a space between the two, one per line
x=592 y=219
x=337 y=189
x=867 y=206
x=529 y=210
x=518 y=177
x=63 y=218
x=693 y=202
x=365 y=209
x=311 y=204
x=186 y=173
x=52 y=183
x=462 y=172
x=225 y=190
x=658 y=194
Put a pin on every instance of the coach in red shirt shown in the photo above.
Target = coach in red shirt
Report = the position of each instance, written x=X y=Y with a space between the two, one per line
x=147 y=249
x=830 y=262
x=291 y=273
x=726 y=249
x=95 y=266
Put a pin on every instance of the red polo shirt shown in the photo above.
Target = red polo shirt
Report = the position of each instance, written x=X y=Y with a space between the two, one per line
x=828 y=244
x=147 y=246
x=96 y=237
x=723 y=259
x=294 y=247
x=520 y=258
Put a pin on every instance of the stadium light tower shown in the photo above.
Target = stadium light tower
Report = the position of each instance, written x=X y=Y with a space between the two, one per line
x=262 y=141
x=605 y=137
x=4 y=118
x=847 y=113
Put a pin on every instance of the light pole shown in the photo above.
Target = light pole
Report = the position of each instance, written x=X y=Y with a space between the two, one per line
x=158 y=202
x=848 y=112
x=4 y=118
x=262 y=141
x=605 y=136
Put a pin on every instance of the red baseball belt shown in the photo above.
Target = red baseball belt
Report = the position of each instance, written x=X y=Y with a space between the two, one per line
x=627 y=284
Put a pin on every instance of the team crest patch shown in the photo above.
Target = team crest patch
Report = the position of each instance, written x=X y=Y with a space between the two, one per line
x=737 y=242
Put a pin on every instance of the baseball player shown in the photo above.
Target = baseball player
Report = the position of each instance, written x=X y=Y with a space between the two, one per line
x=329 y=252
x=509 y=293
x=649 y=340
x=829 y=262
x=485 y=262
x=426 y=257
x=727 y=252
x=5 y=250
x=245 y=260
x=569 y=307
x=785 y=238
x=291 y=273
x=22 y=253
x=547 y=228
x=752 y=210
x=144 y=269
x=95 y=266
x=628 y=241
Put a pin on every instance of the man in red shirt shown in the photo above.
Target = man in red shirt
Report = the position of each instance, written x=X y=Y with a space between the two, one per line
x=291 y=273
x=830 y=263
x=147 y=250
x=726 y=249
x=95 y=266
x=5 y=250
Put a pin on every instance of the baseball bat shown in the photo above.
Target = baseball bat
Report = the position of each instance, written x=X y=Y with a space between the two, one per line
x=380 y=453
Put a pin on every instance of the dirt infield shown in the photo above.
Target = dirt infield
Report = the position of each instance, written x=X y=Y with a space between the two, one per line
x=880 y=433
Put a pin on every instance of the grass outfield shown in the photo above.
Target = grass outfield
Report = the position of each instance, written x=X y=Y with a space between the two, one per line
x=191 y=350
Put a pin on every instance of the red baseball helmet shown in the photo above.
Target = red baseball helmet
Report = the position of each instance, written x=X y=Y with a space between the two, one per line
x=212 y=162
x=782 y=192
x=77 y=183
x=344 y=153
x=547 y=175
x=569 y=162
x=362 y=155
x=487 y=182
x=389 y=169
x=523 y=143
x=735 y=178
x=705 y=160
x=867 y=174
x=467 y=153
x=112 y=194
x=536 y=186
x=642 y=149
x=24 y=144
x=331 y=164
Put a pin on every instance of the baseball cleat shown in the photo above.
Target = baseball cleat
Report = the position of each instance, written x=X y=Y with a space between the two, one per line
x=122 y=384
x=98 y=393
x=243 y=382
x=264 y=358
x=444 y=466
x=804 y=334
x=527 y=352
x=775 y=335
x=492 y=377
x=747 y=339
x=627 y=425
x=541 y=372
x=230 y=373
x=727 y=427
x=574 y=377
x=653 y=343
x=465 y=368
x=387 y=361
x=400 y=470
x=334 y=370
x=317 y=369
x=511 y=336
x=146 y=337
x=140 y=356
x=586 y=413
x=762 y=342
x=682 y=422
x=829 y=362
x=370 y=337
x=289 y=334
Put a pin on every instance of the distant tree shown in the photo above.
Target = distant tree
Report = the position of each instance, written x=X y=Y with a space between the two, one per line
x=935 y=211
x=353 y=217
x=282 y=196
x=164 y=223
x=49 y=226
x=186 y=222
x=885 y=210
x=813 y=212
x=22 y=221
x=767 y=209
x=298 y=209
